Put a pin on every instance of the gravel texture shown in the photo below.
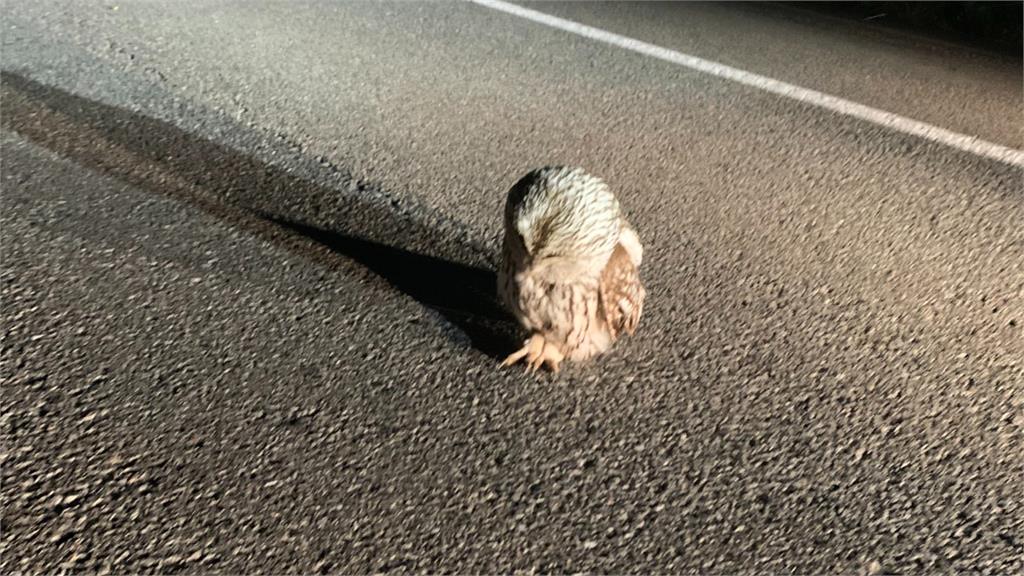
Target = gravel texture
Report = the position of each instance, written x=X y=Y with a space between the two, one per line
x=249 y=322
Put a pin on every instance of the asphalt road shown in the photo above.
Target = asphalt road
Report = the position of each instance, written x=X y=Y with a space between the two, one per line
x=249 y=323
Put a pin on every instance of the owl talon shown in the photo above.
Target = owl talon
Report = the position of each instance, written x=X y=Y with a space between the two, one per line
x=534 y=364
x=531 y=348
x=514 y=357
x=537 y=352
x=552 y=357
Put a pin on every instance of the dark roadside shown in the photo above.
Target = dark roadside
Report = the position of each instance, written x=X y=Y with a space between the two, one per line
x=992 y=26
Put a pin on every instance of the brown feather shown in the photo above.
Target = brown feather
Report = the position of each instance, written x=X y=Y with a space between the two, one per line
x=622 y=295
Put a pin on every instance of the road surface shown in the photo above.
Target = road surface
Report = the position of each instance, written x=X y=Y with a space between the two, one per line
x=249 y=323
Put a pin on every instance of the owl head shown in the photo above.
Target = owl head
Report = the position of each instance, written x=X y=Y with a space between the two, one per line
x=562 y=214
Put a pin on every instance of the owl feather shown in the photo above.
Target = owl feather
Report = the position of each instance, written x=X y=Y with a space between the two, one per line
x=570 y=266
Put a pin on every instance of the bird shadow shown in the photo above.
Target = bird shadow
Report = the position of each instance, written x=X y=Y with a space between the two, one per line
x=320 y=221
x=463 y=294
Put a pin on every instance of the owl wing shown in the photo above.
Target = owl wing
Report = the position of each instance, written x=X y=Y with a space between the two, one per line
x=622 y=295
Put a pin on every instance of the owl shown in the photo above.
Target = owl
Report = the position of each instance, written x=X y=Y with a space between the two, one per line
x=570 y=270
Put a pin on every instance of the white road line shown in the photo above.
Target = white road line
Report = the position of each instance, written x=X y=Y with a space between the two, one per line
x=834 y=103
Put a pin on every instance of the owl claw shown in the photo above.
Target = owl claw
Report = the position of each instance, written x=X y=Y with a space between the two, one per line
x=537 y=352
x=529 y=350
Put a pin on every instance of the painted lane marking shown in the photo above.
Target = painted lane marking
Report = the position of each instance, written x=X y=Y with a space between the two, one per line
x=836 y=104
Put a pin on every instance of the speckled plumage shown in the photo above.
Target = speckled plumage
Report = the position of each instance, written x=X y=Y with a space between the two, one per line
x=570 y=270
